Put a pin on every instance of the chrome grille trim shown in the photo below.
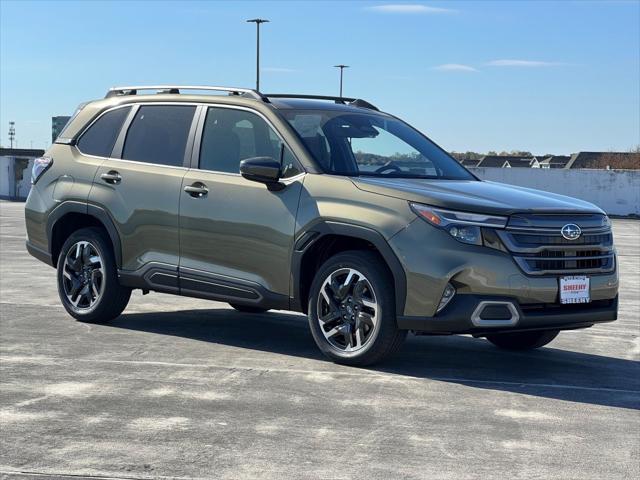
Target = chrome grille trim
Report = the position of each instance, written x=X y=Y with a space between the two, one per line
x=551 y=254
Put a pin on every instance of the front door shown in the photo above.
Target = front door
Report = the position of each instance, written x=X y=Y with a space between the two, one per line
x=236 y=235
x=141 y=189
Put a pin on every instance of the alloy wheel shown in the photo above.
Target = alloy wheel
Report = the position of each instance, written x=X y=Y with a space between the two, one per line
x=83 y=276
x=347 y=310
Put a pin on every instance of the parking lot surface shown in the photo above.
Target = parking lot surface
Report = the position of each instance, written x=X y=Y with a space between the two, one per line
x=185 y=388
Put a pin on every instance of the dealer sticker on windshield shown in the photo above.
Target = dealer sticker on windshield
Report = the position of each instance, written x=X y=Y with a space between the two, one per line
x=574 y=289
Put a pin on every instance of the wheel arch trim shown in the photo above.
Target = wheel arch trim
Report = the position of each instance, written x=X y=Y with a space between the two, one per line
x=310 y=236
x=90 y=210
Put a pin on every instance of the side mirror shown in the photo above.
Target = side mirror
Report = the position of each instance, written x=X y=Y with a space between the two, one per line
x=261 y=169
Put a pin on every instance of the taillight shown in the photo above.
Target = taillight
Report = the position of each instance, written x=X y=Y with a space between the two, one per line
x=40 y=165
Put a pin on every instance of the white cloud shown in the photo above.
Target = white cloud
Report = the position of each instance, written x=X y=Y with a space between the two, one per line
x=277 y=70
x=455 y=67
x=409 y=8
x=523 y=63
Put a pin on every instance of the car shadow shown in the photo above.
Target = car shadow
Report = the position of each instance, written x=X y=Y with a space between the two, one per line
x=548 y=372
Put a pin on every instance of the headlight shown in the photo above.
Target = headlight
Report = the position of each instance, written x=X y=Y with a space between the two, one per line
x=463 y=226
x=466 y=233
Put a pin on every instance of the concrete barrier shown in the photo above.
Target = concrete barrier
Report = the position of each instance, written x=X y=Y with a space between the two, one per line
x=617 y=192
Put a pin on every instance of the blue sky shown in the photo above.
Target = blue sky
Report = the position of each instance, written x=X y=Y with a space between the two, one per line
x=541 y=76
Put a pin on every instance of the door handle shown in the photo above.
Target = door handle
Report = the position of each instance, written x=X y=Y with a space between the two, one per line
x=111 y=177
x=197 y=190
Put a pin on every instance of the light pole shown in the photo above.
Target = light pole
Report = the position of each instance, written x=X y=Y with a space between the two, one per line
x=12 y=132
x=341 y=67
x=258 y=21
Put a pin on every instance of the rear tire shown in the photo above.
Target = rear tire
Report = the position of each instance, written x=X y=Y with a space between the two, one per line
x=523 y=340
x=88 y=277
x=352 y=309
x=248 y=309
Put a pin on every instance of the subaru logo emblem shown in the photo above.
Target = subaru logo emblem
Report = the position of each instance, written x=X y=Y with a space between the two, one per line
x=571 y=231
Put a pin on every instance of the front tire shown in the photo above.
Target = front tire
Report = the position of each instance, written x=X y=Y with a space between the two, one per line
x=523 y=340
x=88 y=278
x=352 y=309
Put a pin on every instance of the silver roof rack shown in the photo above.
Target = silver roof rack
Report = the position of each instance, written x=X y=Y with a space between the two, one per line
x=244 y=92
x=133 y=90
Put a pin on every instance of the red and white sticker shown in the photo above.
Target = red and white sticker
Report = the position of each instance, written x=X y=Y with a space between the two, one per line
x=574 y=289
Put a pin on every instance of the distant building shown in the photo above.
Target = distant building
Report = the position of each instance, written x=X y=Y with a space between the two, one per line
x=605 y=160
x=506 y=161
x=593 y=160
x=57 y=124
x=467 y=162
x=491 y=161
x=15 y=172
x=523 y=162
x=554 y=161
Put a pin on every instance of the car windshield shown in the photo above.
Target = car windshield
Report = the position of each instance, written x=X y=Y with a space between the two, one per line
x=371 y=144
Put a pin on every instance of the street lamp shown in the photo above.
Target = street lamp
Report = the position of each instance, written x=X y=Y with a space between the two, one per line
x=12 y=132
x=258 y=21
x=341 y=67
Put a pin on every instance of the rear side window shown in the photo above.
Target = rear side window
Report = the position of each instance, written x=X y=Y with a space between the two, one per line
x=101 y=136
x=158 y=134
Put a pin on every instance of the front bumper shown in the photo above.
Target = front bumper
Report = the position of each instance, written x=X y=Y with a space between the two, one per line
x=456 y=318
x=431 y=258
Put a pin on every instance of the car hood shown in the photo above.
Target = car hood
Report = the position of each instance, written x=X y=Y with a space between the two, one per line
x=475 y=196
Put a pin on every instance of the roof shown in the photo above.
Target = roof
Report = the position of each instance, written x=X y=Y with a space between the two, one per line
x=467 y=162
x=496 y=161
x=603 y=159
x=309 y=104
x=91 y=109
x=554 y=161
x=20 y=152
x=523 y=162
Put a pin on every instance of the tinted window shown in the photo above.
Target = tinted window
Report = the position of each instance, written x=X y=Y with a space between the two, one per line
x=158 y=134
x=348 y=143
x=101 y=136
x=230 y=136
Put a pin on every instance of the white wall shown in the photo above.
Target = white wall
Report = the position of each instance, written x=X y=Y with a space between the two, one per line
x=617 y=192
x=6 y=177
x=9 y=188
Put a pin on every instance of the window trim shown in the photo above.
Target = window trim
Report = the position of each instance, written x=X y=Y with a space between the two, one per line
x=92 y=122
x=195 y=157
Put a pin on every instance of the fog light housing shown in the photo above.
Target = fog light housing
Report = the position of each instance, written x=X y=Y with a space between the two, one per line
x=447 y=295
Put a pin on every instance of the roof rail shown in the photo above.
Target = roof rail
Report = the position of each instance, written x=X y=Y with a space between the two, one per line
x=356 y=102
x=175 y=89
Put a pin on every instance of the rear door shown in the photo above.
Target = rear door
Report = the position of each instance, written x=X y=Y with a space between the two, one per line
x=140 y=187
x=236 y=239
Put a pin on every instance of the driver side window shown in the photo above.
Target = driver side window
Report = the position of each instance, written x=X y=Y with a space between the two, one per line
x=231 y=135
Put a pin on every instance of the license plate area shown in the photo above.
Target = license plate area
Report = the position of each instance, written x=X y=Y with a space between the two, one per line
x=574 y=289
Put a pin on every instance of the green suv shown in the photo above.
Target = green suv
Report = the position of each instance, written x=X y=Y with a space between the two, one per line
x=322 y=205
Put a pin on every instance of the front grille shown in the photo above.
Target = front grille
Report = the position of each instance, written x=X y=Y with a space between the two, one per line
x=539 y=248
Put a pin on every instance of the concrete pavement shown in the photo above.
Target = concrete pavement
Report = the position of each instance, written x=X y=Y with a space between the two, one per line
x=186 y=388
